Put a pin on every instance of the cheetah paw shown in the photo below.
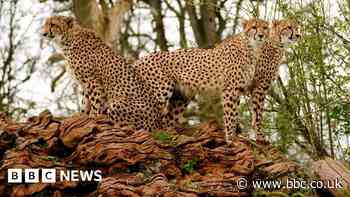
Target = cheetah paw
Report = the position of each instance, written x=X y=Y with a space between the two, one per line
x=231 y=139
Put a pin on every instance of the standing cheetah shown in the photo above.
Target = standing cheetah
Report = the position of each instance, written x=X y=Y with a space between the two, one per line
x=105 y=77
x=269 y=58
x=226 y=69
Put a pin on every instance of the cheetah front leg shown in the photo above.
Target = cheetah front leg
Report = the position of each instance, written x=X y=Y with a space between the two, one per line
x=175 y=116
x=231 y=101
x=168 y=89
x=258 y=98
x=96 y=97
x=86 y=103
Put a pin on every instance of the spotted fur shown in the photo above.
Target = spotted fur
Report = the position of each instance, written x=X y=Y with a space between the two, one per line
x=108 y=82
x=223 y=70
x=269 y=58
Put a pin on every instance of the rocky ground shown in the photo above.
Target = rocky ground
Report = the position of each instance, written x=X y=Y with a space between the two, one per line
x=183 y=162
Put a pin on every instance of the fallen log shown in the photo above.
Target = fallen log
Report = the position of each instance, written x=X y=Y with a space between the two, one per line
x=188 y=162
x=334 y=175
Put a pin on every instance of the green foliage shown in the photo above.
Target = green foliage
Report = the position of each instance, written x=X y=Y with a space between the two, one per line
x=341 y=113
x=162 y=136
x=49 y=158
x=311 y=105
x=343 y=192
x=269 y=194
x=190 y=165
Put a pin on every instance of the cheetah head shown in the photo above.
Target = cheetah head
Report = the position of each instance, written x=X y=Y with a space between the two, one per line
x=256 y=30
x=285 y=32
x=55 y=27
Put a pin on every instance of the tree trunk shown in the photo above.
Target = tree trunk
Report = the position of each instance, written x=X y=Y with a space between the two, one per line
x=156 y=9
x=196 y=24
x=208 y=15
x=107 y=22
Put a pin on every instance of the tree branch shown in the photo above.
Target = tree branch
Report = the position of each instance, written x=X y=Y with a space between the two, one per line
x=156 y=10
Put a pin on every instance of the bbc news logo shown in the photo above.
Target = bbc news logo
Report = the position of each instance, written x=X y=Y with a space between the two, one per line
x=52 y=175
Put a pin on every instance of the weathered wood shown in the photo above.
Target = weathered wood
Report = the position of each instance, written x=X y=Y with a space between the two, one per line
x=191 y=162
x=332 y=171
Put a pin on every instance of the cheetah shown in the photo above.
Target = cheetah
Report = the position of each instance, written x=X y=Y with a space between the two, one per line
x=223 y=70
x=269 y=58
x=109 y=84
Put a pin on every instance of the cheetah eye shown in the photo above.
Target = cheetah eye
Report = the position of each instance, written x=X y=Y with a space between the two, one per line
x=254 y=27
x=265 y=28
x=289 y=27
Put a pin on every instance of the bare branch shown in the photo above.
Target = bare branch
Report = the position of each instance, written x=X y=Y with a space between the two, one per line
x=57 y=78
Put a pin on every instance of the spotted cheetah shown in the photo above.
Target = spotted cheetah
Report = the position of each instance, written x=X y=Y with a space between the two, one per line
x=269 y=58
x=108 y=82
x=223 y=70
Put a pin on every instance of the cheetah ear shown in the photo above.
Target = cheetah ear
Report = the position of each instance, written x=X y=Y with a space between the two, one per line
x=70 y=21
x=244 y=23
x=275 y=23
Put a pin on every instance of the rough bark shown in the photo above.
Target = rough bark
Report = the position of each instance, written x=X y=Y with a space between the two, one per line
x=196 y=23
x=191 y=162
x=237 y=15
x=90 y=15
x=331 y=171
x=107 y=22
x=115 y=22
x=180 y=14
x=156 y=10
x=203 y=23
x=208 y=11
